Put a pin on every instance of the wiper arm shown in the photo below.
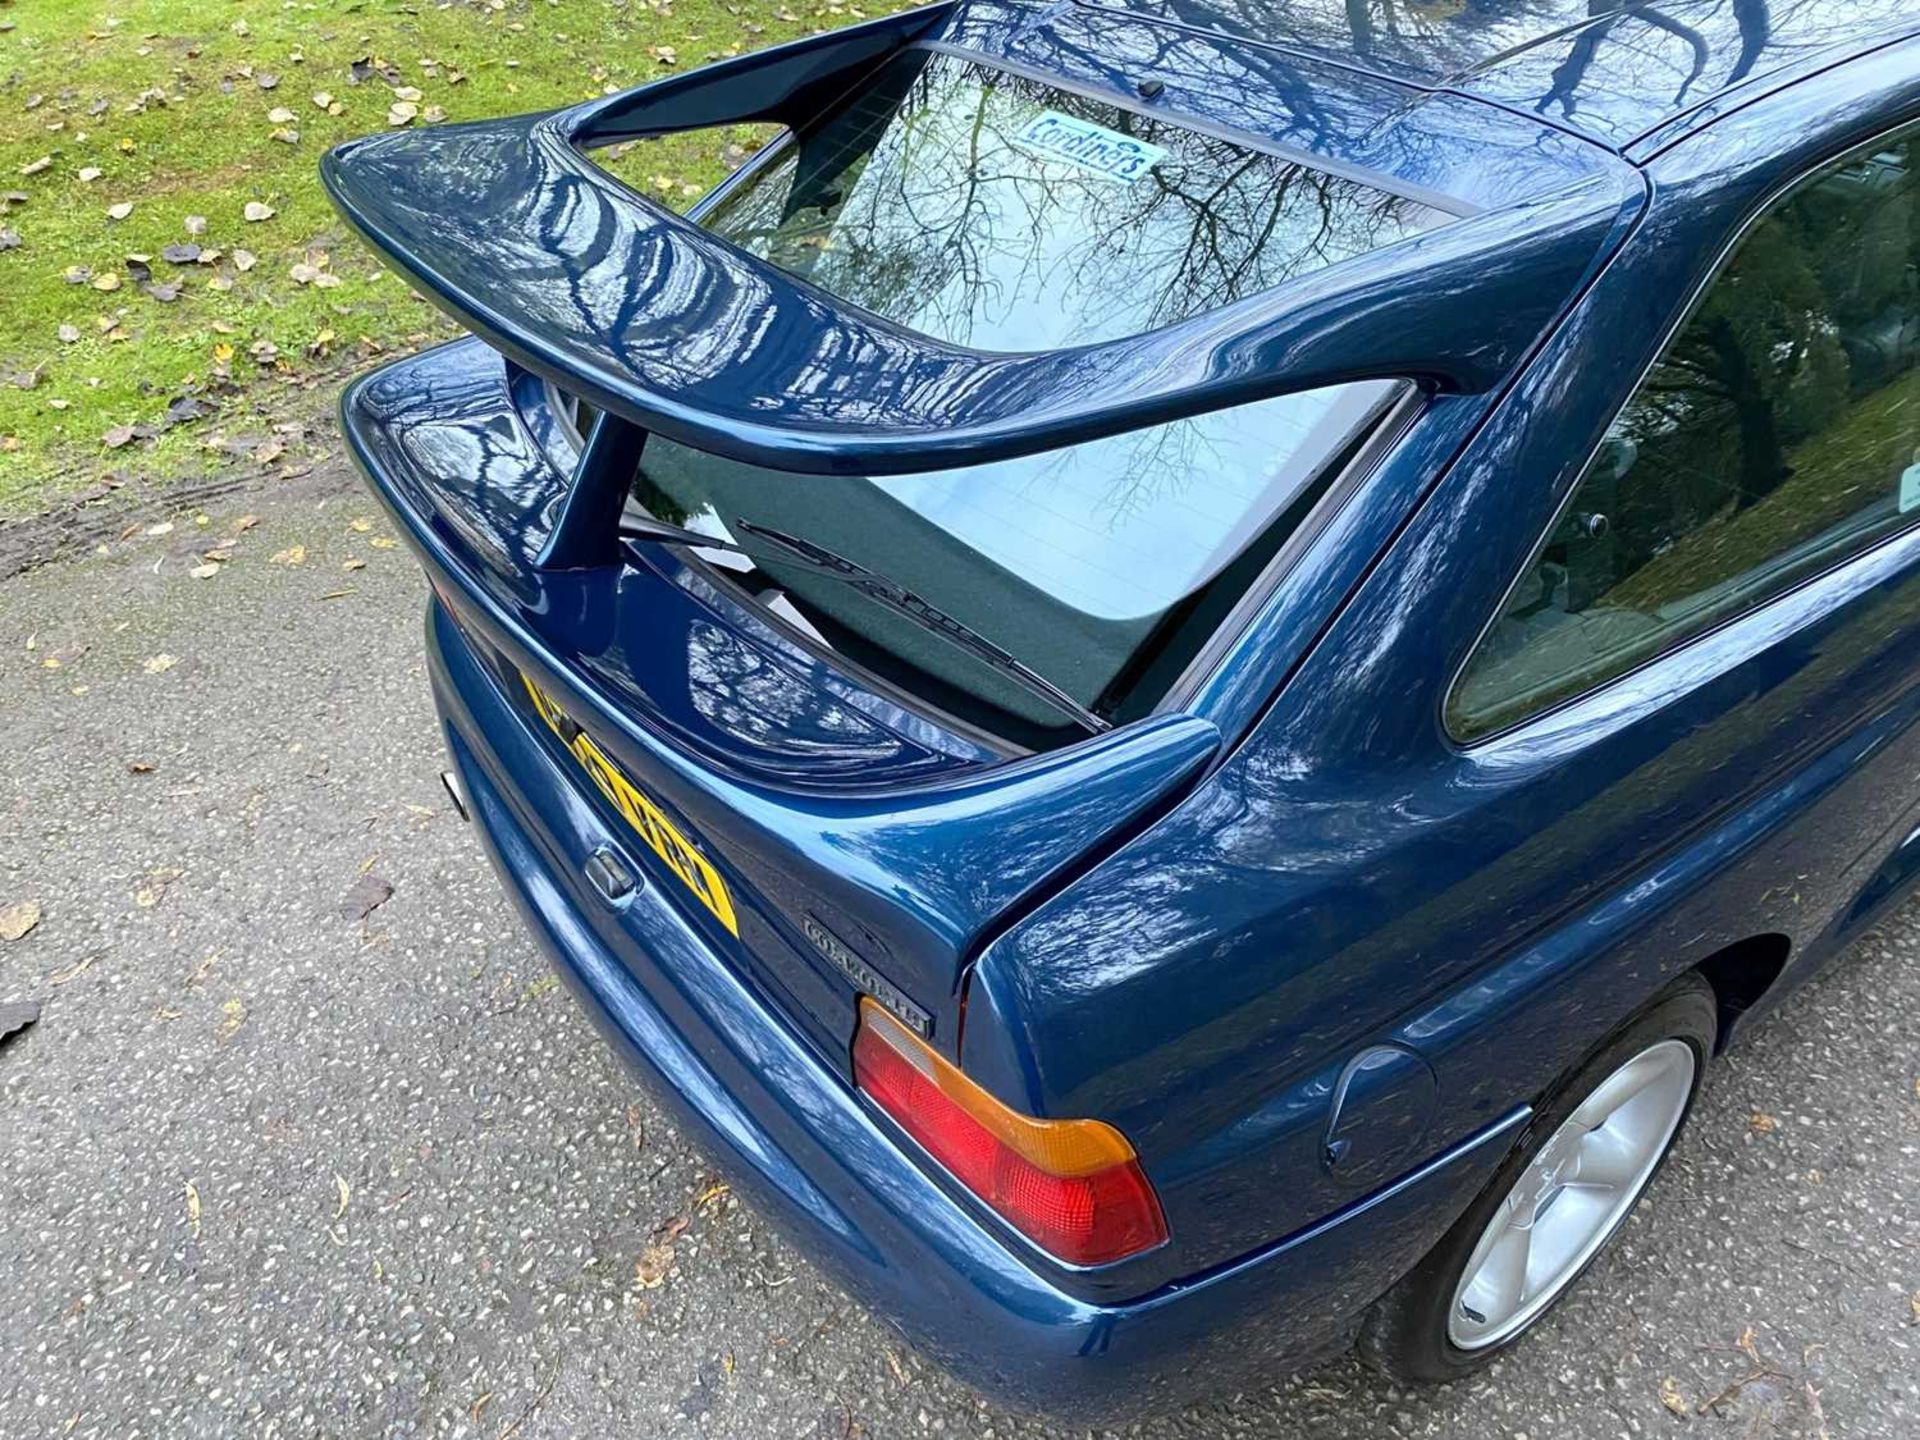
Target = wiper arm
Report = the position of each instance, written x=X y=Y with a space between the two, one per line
x=645 y=527
x=896 y=597
x=882 y=589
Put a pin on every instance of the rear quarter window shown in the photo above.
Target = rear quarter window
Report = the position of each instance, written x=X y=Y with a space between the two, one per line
x=1777 y=435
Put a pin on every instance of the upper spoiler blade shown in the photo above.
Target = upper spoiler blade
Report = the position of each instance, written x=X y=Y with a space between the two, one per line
x=513 y=230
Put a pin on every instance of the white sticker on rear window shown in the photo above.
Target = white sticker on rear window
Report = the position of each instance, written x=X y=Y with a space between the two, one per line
x=1089 y=146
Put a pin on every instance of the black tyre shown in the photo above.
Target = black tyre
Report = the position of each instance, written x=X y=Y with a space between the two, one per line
x=1597 y=1140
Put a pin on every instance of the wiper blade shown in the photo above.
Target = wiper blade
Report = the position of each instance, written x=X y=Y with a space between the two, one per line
x=882 y=589
x=898 y=598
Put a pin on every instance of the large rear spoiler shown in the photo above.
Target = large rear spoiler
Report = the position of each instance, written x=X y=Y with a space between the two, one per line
x=513 y=230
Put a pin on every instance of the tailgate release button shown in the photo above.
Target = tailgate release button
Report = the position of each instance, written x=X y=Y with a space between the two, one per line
x=610 y=875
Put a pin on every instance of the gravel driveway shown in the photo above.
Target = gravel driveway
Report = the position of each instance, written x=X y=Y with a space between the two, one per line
x=271 y=1165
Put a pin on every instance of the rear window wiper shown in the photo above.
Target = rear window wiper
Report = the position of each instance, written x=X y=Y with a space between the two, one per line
x=780 y=548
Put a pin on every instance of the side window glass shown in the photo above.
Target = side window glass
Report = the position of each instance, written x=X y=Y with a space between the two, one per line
x=1778 y=434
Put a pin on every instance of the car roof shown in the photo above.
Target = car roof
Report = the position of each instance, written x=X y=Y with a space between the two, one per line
x=1611 y=71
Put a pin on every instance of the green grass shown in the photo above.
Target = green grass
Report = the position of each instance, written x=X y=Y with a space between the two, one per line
x=165 y=99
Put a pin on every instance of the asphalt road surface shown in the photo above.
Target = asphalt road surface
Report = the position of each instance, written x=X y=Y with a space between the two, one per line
x=272 y=1166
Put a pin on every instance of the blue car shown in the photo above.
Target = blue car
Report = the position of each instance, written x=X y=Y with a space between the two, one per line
x=1173 y=669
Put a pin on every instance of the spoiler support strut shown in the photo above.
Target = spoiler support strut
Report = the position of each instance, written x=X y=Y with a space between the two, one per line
x=586 y=528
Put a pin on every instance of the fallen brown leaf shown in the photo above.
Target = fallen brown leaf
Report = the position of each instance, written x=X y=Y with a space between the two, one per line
x=1671 y=1397
x=73 y=971
x=18 y=918
x=650 y=1270
x=153 y=886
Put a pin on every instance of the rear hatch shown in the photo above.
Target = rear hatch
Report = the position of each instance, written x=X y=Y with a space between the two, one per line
x=829 y=840
x=856 y=536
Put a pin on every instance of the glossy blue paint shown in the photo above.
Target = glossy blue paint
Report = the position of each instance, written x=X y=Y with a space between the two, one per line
x=1629 y=69
x=805 y=1150
x=1349 y=857
x=1313 y=956
x=1612 y=70
x=813 y=803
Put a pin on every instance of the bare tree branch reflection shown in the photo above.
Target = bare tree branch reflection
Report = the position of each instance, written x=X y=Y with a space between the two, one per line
x=924 y=206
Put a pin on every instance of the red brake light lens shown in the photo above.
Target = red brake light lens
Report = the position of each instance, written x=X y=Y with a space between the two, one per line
x=1073 y=1187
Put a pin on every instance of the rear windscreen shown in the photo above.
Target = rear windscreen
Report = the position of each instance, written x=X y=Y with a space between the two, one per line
x=989 y=210
x=1001 y=213
x=1104 y=567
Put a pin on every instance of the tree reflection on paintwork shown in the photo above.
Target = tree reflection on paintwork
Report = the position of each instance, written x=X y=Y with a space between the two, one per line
x=1614 y=66
x=739 y=688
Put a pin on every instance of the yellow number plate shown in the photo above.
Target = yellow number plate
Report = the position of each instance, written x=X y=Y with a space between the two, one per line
x=646 y=818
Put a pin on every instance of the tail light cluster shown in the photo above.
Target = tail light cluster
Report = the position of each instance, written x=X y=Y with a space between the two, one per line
x=1073 y=1187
